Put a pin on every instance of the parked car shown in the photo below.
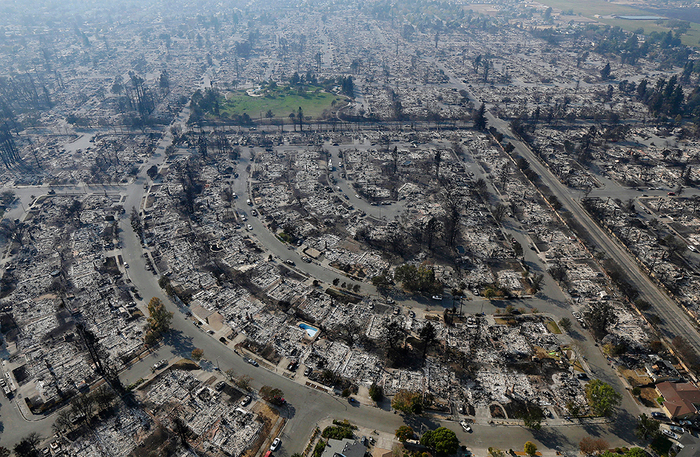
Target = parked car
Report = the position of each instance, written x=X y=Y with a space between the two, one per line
x=658 y=415
x=465 y=426
x=275 y=444
x=160 y=364
x=670 y=434
x=307 y=371
x=220 y=385
x=246 y=400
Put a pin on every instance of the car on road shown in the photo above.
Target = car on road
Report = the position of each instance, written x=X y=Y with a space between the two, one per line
x=289 y=262
x=275 y=444
x=306 y=259
x=220 y=385
x=293 y=365
x=353 y=402
x=160 y=364
x=671 y=194
x=465 y=426
x=126 y=265
x=246 y=400
x=249 y=227
x=437 y=297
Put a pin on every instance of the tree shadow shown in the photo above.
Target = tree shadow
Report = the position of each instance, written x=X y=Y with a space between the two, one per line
x=576 y=335
x=552 y=438
x=384 y=404
x=181 y=343
x=420 y=424
x=624 y=425
x=592 y=429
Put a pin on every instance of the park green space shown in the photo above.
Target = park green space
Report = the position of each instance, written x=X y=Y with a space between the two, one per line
x=281 y=101
x=591 y=8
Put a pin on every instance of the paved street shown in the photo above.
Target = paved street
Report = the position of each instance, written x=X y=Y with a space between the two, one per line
x=308 y=407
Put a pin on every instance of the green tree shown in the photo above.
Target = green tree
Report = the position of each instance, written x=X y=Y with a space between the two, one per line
x=383 y=283
x=647 y=428
x=480 y=118
x=533 y=416
x=636 y=452
x=428 y=336
x=600 y=316
x=272 y=395
x=4 y=452
x=404 y=433
x=159 y=317
x=408 y=402
x=376 y=393
x=530 y=448
x=602 y=398
x=442 y=440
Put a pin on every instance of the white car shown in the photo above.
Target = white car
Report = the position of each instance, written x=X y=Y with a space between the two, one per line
x=275 y=444
x=670 y=434
x=250 y=227
x=465 y=426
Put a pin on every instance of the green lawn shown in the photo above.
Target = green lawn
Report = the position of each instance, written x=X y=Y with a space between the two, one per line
x=590 y=8
x=281 y=101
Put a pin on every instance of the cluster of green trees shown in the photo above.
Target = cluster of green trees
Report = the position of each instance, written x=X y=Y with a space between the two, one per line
x=665 y=47
x=158 y=320
x=602 y=398
x=408 y=402
x=337 y=432
x=208 y=103
x=418 y=279
x=272 y=395
x=442 y=440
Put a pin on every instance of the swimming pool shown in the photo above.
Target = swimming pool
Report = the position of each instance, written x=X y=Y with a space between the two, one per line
x=311 y=331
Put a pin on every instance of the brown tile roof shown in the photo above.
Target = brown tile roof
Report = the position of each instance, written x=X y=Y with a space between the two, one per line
x=680 y=398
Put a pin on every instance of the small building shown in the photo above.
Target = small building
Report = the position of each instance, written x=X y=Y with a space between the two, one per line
x=689 y=446
x=344 y=448
x=681 y=399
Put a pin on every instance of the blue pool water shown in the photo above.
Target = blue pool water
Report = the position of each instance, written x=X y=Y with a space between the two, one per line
x=311 y=331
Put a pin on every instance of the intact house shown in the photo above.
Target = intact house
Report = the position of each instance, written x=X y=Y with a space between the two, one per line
x=681 y=400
